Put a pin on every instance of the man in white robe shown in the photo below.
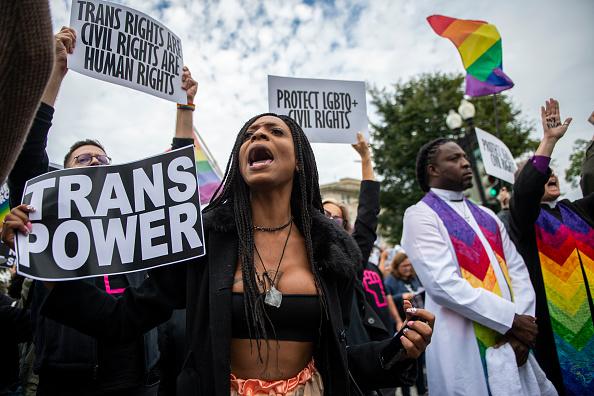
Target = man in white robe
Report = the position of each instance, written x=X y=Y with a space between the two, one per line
x=454 y=365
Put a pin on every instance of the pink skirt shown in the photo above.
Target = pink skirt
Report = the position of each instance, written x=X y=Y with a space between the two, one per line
x=308 y=382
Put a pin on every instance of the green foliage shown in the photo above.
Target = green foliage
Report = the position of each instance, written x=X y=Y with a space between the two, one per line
x=413 y=113
x=573 y=173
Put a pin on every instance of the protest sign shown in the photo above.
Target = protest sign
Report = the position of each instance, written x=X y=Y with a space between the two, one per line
x=329 y=111
x=497 y=158
x=103 y=220
x=126 y=47
x=7 y=256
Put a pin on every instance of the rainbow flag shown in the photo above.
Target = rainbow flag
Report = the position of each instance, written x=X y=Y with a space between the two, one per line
x=4 y=205
x=209 y=175
x=479 y=45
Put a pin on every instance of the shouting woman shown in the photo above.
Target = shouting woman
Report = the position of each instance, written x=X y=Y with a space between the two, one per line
x=268 y=305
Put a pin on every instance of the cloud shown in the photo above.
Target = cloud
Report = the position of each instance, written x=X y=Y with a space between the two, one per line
x=231 y=46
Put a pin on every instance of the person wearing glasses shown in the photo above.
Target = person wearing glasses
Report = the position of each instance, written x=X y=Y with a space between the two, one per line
x=69 y=362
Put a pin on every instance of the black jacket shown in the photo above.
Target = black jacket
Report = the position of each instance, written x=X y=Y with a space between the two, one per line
x=15 y=327
x=368 y=321
x=204 y=286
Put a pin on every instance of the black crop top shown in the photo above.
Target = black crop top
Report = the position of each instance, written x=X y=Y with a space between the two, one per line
x=297 y=319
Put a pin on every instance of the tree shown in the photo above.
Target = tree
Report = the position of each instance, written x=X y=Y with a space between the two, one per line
x=574 y=172
x=413 y=113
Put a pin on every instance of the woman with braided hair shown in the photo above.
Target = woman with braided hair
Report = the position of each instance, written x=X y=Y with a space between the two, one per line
x=268 y=304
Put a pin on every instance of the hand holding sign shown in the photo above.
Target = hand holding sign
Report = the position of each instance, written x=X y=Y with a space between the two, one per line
x=16 y=220
x=65 y=41
x=189 y=85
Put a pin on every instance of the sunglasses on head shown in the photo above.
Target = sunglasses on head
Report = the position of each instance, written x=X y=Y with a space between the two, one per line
x=86 y=159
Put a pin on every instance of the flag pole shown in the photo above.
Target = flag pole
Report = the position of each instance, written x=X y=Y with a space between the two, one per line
x=209 y=155
x=496 y=117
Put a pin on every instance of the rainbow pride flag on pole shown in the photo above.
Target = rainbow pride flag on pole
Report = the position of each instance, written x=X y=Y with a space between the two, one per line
x=209 y=174
x=479 y=45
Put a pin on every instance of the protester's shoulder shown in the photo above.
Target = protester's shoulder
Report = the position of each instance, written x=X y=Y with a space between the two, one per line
x=219 y=219
x=333 y=246
x=491 y=213
x=488 y=211
x=416 y=212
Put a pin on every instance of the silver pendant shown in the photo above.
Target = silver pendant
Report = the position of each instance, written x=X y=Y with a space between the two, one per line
x=273 y=297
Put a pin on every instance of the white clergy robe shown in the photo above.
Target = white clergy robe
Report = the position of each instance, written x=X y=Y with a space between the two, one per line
x=453 y=362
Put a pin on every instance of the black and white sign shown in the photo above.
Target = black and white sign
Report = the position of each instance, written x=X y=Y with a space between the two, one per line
x=329 y=111
x=7 y=256
x=126 y=47
x=497 y=157
x=105 y=220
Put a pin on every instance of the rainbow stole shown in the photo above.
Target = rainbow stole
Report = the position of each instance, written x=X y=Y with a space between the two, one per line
x=566 y=252
x=473 y=260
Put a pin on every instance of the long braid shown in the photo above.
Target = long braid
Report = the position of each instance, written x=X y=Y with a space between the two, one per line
x=426 y=156
x=305 y=197
x=310 y=197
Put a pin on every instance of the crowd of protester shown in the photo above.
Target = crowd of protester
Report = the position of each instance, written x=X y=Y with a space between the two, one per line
x=467 y=292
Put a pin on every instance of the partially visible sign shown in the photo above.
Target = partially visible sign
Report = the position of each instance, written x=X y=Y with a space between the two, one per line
x=104 y=220
x=497 y=158
x=7 y=256
x=118 y=44
x=329 y=111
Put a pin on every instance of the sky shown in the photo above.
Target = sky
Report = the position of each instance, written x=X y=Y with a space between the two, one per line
x=232 y=46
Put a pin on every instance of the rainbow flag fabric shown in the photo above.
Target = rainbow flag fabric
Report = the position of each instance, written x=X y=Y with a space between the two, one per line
x=4 y=206
x=566 y=252
x=208 y=176
x=474 y=262
x=479 y=45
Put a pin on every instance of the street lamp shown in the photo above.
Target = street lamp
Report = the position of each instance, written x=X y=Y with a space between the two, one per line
x=466 y=110
x=454 y=121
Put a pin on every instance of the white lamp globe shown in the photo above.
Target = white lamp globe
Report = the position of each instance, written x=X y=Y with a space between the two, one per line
x=453 y=120
x=466 y=109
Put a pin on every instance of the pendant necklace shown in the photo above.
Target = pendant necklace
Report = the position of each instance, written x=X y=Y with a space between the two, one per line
x=273 y=296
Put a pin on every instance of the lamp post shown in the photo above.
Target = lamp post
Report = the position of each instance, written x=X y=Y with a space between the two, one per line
x=454 y=121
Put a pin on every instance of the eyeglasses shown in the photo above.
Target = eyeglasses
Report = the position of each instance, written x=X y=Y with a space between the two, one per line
x=339 y=220
x=86 y=159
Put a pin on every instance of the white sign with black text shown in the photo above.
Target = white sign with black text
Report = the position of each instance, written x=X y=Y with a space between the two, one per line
x=118 y=44
x=329 y=111
x=497 y=158
x=104 y=220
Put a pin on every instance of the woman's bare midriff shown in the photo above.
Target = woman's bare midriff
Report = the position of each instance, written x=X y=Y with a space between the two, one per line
x=281 y=359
